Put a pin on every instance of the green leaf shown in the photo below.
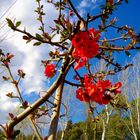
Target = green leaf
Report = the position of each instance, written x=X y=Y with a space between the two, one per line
x=38 y=36
x=127 y=53
x=37 y=44
x=18 y=23
x=10 y=23
x=53 y=36
x=43 y=108
x=40 y=28
x=57 y=26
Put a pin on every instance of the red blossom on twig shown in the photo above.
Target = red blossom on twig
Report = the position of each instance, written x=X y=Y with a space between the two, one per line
x=50 y=70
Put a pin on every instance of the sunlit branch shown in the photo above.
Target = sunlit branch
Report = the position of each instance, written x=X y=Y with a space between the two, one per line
x=114 y=39
x=118 y=48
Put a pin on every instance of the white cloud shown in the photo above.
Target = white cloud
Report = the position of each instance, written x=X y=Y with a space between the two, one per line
x=31 y=56
x=93 y=1
x=87 y=4
x=26 y=57
x=6 y=102
x=83 y=4
x=7 y=105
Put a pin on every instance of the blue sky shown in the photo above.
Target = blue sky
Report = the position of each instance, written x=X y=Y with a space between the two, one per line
x=127 y=14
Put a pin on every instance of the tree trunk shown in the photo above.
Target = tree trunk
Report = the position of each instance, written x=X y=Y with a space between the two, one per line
x=55 y=114
x=105 y=122
x=132 y=124
x=104 y=128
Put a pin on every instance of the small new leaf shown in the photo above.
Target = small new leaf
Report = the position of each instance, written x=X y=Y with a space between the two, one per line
x=10 y=23
x=38 y=36
x=11 y=115
x=10 y=94
x=37 y=44
x=5 y=78
x=18 y=23
x=43 y=108
x=26 y=37
x=21 y=73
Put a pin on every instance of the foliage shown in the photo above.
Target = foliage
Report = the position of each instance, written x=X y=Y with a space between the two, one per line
x=118 y=128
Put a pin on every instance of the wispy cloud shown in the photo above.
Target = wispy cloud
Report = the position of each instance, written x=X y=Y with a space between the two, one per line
x=85 y=5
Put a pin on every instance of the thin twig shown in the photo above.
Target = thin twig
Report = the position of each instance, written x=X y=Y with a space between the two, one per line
x=75 y=11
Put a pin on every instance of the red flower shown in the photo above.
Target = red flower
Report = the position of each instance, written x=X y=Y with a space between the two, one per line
x=89 y=86
x=81 y=62
x=99 y=92
x=103 y=85
x=105 y=99
x=50 y=70
x=71 y=13
x=95 y=34
x=85 y=44
x=117 y=87
x=81 y=95
x=76 y=77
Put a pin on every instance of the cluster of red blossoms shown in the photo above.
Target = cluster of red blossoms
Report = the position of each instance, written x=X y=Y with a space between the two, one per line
x=99 y=92
x=50 y=70
x=85 y=46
